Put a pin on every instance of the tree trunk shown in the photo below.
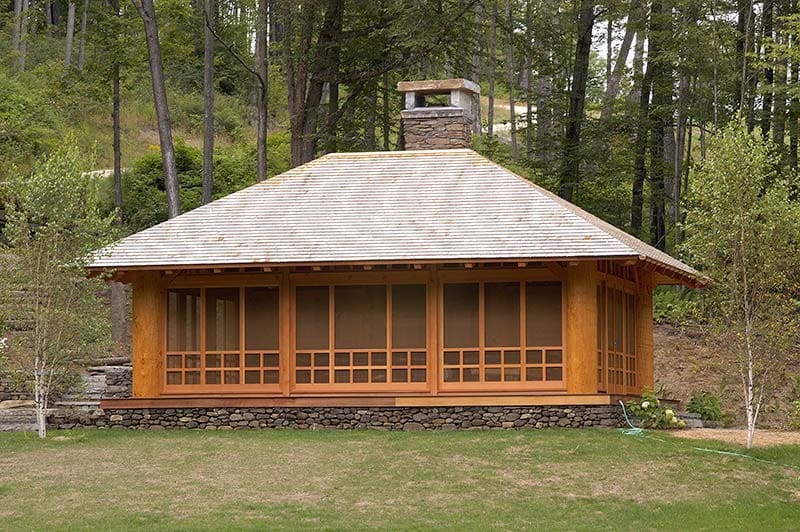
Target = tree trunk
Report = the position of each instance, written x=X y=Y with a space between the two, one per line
x=16 y=25
x=369 y=121
x=660 y=118
x=510 y=67
x=477 y=56
x=766 y=102
x=742 y=11
x=638 y=63
x=304 y=77
x=70 y=36
x=385 y=117
x=492 y=62
x=40 y=398
x=210 y=17
x=82 y=41
x=684 y=91
x=147 y=11
x=528 y=79
x=779 y=105
x=23 y=36
x=570 y=169
x=640 y=153
x=615 y=76
x=794 y=115
x=263 y=82
x=116 y=125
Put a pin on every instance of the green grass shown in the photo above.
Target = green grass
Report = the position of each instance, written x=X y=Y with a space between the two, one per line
x=272 y=479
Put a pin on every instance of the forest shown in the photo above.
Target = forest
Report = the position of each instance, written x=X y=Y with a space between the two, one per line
x=675 y=120
x=608 y=104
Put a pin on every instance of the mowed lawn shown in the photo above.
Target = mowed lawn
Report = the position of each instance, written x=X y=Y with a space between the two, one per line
x=284 y=479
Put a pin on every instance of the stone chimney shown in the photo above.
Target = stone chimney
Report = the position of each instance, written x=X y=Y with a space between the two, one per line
x=440 y=113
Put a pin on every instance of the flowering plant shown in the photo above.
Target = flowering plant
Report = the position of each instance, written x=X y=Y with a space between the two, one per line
x=652 y=414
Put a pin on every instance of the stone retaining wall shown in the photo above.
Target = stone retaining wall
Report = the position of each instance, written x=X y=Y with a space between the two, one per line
x=405 y=418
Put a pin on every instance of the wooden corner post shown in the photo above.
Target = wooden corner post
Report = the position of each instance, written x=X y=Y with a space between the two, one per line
x=644 y=328
x=148 y=333
x=581 y=328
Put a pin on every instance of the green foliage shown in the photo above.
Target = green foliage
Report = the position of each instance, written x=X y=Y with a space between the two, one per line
x=677 y=306
x=793 y=409
x=707 y=405
x=743 y=230
x=653 y=414
x=28 y=124
x=144 y=195
x=57 y=320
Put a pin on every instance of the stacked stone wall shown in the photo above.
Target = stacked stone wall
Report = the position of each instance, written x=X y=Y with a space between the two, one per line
x=430 y=133
x=405 y=418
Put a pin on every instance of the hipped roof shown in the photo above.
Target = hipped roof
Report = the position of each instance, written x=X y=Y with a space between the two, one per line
x=385 y=207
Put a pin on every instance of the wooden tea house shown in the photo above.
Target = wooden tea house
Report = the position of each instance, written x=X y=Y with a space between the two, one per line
x=425 y=277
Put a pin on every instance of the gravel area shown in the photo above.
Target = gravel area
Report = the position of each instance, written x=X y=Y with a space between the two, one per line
x=763 y=438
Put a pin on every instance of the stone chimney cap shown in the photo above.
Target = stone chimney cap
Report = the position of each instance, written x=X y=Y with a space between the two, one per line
x=439 y=85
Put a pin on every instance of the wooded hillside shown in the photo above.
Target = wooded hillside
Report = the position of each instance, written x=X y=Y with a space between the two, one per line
x=612 y=102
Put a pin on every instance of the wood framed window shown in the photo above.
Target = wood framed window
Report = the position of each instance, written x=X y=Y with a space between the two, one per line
x=616 y=339
x=502 y=336
x=360 y=337
x=222 y=339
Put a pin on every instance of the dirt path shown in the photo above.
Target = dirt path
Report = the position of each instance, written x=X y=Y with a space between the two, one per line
x=763 y=438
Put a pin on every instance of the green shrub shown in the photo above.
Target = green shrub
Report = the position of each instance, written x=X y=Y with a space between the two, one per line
x=677 y=306
x=144 y=195
x=652 y=414
x=707 y=405
x=29 y=125
x=793 y=415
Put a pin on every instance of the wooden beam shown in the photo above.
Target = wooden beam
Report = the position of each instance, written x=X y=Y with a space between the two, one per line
x=366 y=401
x=581 y=328
x=644 y=329
x=148 y=335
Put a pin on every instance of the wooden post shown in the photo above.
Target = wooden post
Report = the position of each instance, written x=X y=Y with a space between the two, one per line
x=644 y=329
x=286 y=295
x=581 y=328
x=148 y=334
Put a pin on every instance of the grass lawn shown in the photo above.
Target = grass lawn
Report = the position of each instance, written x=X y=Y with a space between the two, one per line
x=549 y=479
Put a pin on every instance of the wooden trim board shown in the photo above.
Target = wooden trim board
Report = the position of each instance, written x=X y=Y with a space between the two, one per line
x=370 y=401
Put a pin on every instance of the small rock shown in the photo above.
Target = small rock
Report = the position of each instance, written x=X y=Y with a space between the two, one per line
x=412 y=426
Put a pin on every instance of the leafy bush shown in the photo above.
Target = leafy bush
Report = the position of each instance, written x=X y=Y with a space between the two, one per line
x=144 y=195
x=28 y=124
x=793 y=416
x=652 y=414
x=677 y=306
x=793 y=411
x=707 y=405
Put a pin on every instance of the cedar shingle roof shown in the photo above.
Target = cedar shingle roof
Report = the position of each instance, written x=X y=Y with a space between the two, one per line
x=432 y=205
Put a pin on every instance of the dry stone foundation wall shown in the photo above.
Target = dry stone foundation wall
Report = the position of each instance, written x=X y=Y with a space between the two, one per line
x=405 y=418
x=430 y=133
